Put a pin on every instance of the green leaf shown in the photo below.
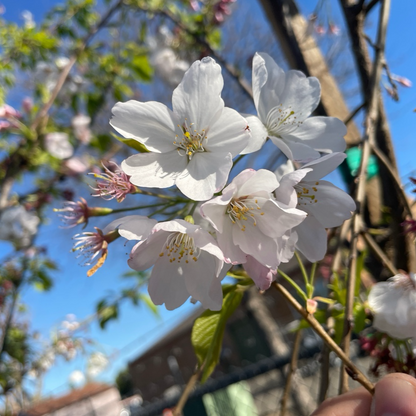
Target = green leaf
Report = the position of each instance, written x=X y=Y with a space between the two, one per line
x=142 y=68
x=134 y=144
x=360 y=318
x=107 y=314
x=208 y=330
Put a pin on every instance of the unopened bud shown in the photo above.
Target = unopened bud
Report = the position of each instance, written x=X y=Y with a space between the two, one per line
x=311 y=306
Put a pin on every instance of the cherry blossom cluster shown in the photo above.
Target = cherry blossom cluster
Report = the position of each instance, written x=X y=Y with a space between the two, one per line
x=259 y=218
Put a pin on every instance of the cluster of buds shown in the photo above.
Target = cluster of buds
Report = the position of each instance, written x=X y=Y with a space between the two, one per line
x=390 y=356
x=321 y=29
x=221 y=10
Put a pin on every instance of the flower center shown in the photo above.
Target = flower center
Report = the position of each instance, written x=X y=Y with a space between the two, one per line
x=307 y=193
x=282 y=119
x=243 y=209
x=192 y=141
x=180 y=246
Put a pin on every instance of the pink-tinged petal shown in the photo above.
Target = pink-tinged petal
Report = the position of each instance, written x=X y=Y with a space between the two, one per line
x=206 y=174
x=286 y=193
x=167 y=284
x=147 y=252
x=151 y=123
x=258 y=132
x=262 y=276
x=275 y=220
x=294 y=150
x=253 y=242
x=198 y=97
x=154 y=170
x=323 y=166
x=312 y=239
x=232 y=253
x=132 y=227
x=261 y=180
x=325 y=134
x=228 y=134
x=333 y=205
x=198 y=276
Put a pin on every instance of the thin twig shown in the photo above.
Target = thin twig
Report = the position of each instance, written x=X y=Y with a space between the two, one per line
x=379 y=253
x=369 y=139
x=386 y=163
x=354 y=372
x=187 y=391
x=370 y=5
x=354 y=113
x=292 y=369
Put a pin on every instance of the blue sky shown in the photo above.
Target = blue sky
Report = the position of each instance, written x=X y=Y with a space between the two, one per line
x=137 y=328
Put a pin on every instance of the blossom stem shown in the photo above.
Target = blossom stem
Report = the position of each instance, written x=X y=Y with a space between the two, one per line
x=353 y=371
x=192 y=210
x=312 y=275
x=302 y=269
x=163 y=196
x=114 y=211
x=294 y=284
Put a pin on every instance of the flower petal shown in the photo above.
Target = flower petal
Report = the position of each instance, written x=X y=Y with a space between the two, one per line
x=151 y=123
x=295 y=150
x=261 y=180
x=262 y=276
x=228 y=134
x=333 y=206
x=197 y=98
x=199 y=276
x=258 y=134
x=154 y=170
x=167 y=284
x=253 y=242
x=312 y=239
x=232 y=253
x=132 y=227
x=145 y=253
x=205 y=174
x=286 y=193
x=325 y=134
x=323 y=166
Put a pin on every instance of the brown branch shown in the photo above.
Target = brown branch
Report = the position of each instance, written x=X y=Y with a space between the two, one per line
x=292 y=369
x=353 y=371
x=370 y=5
x=369 y=139
x=379 y=252
x=354 y=113
x=383 y=159
x=187 y=391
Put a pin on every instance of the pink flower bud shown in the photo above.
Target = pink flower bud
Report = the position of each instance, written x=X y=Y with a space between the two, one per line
x=311 y=306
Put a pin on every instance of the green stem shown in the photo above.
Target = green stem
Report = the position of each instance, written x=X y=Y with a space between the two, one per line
x=238 y=159
x=313 y=271
x=302 y=269
x=163 y=196
x=294 y=284
x=115 y=211
x=159 y=211
x=192 y=210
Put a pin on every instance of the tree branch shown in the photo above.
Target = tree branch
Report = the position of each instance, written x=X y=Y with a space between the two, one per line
x=353 y=371
x=369 y=139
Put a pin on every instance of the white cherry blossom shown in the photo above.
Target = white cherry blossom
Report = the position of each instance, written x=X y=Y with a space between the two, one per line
x=250 y=221
x=191 y=146
x=58 y=145
x=327 y=206
x=284 y=101
x=394 y=306
x=18 y=225
x=187 y=262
